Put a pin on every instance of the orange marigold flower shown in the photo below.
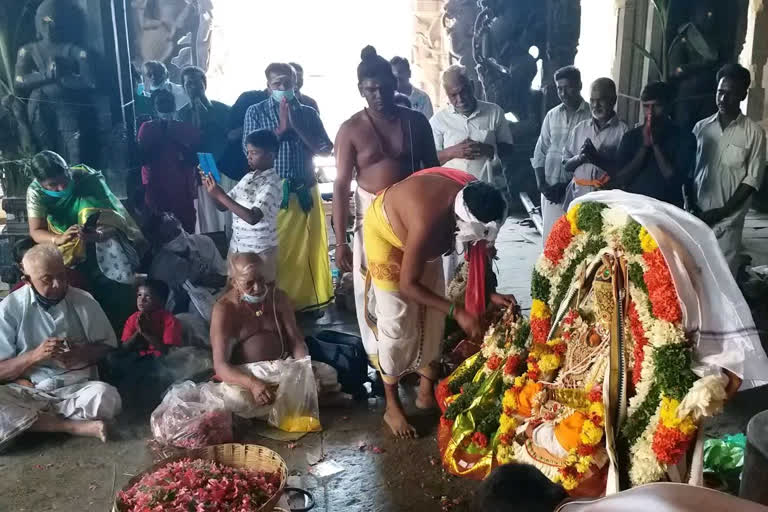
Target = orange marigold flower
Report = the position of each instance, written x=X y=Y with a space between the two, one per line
x=669 y=444
x=661 y=288
x=559 y=239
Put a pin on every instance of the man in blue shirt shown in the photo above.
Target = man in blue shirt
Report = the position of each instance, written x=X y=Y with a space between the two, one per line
x=303 y=266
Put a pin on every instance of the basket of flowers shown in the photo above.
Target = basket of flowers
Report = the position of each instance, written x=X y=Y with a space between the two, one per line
x=221 y=478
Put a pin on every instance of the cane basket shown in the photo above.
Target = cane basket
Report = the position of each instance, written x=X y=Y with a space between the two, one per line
x=241 y=456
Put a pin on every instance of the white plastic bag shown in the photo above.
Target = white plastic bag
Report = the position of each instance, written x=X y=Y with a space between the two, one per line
x=296 y=408
x=192 y=416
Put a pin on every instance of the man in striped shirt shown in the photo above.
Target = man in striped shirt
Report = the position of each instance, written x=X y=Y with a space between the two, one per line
x=303 y=267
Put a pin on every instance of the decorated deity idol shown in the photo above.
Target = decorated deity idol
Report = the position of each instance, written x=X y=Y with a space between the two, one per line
x=637 y=333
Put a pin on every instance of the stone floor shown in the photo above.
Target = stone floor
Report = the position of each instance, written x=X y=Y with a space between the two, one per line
x=377 y=473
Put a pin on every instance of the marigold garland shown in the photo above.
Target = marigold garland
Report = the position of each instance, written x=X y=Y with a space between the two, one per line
x=661 y=373
x=661 y=288
x=579 y=459
x=559 y=238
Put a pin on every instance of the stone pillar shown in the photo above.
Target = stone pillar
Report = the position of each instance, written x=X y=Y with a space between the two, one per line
x=754 y=57
x=429 y=54
x=631 y=67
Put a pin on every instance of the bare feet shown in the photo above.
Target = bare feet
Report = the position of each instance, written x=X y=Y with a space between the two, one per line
x=93 y=428
x=425 y=397
x=398 y=423
x=427 y=401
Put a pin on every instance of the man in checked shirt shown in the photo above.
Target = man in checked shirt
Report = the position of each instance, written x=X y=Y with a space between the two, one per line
x=303 y=267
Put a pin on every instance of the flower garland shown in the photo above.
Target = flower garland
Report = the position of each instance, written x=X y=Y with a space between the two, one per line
x=580 y=459
x=661 y=363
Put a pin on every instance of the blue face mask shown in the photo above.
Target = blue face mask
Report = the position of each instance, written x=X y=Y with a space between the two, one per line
x=279 y=95
x=255 y=299
x=59 y=193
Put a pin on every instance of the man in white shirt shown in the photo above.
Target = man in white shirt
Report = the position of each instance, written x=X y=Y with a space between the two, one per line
x=419 y=99
x=590 y=155
x=470 y=134
x=51 y=338
x=156 y=77
x=547 y=160
x=730 y=162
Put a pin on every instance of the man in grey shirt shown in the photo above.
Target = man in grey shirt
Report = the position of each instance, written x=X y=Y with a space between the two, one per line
x=590 y=154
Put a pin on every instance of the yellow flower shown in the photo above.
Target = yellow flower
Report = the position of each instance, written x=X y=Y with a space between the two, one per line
x=569 y=483
x=520 y=381
x=582 y=466
x=669 y=418
x=573 y=217
x=597 y=408
x=539 y=309
x=549 y=362
x=507 y=424
x=554 y=341
x=505 y=454
x=646 y=241
x=591 y=434
x=510 y=400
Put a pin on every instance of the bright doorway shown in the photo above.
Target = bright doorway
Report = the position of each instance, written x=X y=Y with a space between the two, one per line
x=325 y=37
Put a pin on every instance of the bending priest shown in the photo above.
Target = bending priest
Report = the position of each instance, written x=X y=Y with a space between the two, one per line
x=637 y=332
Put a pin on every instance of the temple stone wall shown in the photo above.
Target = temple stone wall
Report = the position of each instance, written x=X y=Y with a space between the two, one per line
x=429 y=55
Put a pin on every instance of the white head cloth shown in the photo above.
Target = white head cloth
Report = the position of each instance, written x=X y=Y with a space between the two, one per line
x=470 y=229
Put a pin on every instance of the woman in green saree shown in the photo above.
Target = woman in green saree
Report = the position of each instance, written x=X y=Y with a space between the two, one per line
x=73 y=208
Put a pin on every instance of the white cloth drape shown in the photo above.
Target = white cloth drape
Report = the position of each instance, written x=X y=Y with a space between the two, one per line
x=715 y=314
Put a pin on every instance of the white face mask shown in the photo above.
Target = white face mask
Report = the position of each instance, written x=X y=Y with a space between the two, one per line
x=178 y=244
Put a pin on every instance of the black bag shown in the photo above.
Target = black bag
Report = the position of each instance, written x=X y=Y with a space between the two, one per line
x=346 y=354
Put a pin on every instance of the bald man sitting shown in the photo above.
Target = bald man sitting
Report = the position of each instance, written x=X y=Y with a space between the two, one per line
x=52 y=336
x=253 y=330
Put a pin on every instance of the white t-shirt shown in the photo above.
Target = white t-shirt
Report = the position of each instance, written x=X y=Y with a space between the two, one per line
x=256 y=190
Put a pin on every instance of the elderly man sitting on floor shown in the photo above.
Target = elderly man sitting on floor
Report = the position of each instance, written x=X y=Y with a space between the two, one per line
x=51 y=338
x=257 y=343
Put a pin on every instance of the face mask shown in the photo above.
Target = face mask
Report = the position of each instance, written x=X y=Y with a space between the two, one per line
x=279 y=95
x=166 y=116
x=45 y=302
x=255 y=299
x=59 y=193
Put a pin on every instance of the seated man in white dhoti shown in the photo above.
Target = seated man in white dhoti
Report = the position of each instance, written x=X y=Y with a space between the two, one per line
x=51 y=338
x=253 y=333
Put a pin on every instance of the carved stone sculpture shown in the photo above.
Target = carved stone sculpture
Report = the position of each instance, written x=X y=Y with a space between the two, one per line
x=459 y=22
x=175 y=32
x=504 y=34
x=704 y=35
x=54 y=74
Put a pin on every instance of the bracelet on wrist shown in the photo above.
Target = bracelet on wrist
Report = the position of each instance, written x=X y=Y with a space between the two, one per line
x=339 y=245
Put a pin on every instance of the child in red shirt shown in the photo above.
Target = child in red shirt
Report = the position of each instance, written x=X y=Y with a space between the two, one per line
x=152 y=330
